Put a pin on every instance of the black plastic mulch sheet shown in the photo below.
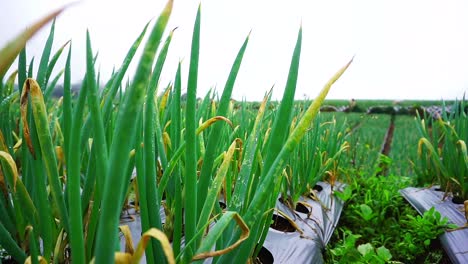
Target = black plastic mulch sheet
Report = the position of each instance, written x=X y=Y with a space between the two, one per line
x=455 y=243
x=317 y=229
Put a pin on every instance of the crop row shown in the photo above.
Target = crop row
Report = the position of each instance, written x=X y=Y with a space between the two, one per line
x=67 y=164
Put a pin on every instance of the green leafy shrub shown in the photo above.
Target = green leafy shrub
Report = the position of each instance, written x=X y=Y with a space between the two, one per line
x=377 y=224
x=419 y=231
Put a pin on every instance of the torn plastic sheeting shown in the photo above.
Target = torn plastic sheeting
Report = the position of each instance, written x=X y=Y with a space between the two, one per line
x=317 y=228
x=455 y=242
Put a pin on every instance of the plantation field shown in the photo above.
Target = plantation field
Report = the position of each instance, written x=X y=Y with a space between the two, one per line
x=369 y=103
x=212 y=179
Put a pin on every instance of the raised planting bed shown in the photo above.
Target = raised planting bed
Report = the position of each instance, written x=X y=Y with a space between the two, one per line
x=305 y=243
x=315 y=222
x=454 y=242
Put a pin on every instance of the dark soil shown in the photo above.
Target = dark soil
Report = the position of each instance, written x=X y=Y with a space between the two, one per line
x=222 y=205
x=8 y=261
x=281 y=224
x=302 y=208
x=318 y=188
x=264 y=257
x=458 y=200
x=436 y=254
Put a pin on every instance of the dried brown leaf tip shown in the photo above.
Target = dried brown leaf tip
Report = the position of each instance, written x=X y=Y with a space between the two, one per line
x=24 y=113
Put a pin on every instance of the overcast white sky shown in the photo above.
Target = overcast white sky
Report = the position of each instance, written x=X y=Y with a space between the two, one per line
x=403 y=49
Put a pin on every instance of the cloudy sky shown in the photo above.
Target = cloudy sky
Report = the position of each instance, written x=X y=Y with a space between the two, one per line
x=409 y=49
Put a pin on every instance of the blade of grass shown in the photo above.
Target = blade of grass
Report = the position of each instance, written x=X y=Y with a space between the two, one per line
x=30 y=69
x=67 y=103
x=7 y=217
x=292 y=141
x=91 y=180
x=123 y=139
x=50 y=89
x=74 y=155
x=263 y=192
x=245 y=177
x=278 y=133
x=212 y=196
x=215 y=233
x=47 y=148
x=22 y=73
x=191 y=210
x=99 y=139
x=37 y=187
x=9 y=52
x=54 y=60
x=9 y=244
x=108 y=96
x=43 y=64
x=22 y=199
x=152 y=91
x=143 y=203
x=433 y=155
x=176 y=137
x=151 y=123
x=274 y=144
x=215 y=134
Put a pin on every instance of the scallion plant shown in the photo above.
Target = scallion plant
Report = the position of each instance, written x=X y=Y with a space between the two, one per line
x=66 y=165
x=442 y=152
x=317 y=158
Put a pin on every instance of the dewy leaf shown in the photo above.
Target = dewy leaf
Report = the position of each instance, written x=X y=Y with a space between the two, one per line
x=215 y=134
x=191 y=203
x=13 y=48
x=213 y=192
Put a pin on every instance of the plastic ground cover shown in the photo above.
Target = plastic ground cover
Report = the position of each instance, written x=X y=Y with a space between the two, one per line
x=133 y=221
x=455 y=242
x=317 y=228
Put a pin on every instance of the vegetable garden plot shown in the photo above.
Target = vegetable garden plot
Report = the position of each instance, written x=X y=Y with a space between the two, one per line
x=76 y=155
x=454 y=242
x=313 y=231
x=303 y=244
